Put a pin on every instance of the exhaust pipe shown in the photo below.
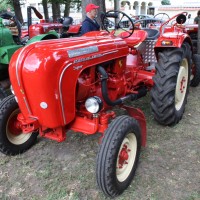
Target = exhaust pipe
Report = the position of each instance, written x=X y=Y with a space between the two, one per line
x=141 y=92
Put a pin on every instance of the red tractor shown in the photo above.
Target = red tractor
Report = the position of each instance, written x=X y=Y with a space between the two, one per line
x=53 y=30
x=74 y=83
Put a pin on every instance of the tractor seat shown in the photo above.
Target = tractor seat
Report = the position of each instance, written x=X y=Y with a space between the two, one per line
x=67 y=21
x=136 y=38
x=153 y=34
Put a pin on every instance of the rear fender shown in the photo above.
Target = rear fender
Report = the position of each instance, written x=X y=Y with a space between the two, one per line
x=6 y=53
x=48 y=36
x=139 y=116
x=176 y=40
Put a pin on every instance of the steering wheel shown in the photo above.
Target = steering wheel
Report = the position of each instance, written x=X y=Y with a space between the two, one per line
x=147 y=23
x=164 y=16
x=115 y=22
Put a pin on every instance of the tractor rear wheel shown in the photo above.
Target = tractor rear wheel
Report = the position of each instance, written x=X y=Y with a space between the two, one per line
x=2 y=93
x=195 y=71
x=171 y=84
x=118 y=155
x=12 y=140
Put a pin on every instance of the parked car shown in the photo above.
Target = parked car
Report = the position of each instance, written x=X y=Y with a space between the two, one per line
x=144 y=21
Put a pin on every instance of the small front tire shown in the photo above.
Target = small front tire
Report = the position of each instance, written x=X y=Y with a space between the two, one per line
x=12 y=140
x=118 y=156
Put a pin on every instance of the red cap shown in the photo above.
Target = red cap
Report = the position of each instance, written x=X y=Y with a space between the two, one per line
x=90 y=6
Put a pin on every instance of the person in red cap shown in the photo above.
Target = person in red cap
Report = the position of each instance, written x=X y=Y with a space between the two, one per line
x=90 y=24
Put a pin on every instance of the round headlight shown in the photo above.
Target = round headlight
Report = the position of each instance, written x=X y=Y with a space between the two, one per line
x=93 y=104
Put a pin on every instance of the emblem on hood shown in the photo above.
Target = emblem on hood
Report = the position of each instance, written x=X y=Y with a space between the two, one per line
x=82 y=51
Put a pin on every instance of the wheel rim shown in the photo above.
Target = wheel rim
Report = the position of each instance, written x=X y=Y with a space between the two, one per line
x=181 y=85
x=126 y=157
x=13 y=130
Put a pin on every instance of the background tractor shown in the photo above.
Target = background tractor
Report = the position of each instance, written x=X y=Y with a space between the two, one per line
x=78 y=81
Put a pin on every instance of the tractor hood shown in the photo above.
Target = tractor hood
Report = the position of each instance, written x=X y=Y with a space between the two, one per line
x=44 y=74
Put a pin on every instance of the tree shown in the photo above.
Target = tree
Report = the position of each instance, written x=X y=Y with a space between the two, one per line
x=67 y=8
x=5 y=5
x=165 y=2
x=71 y=4
x=17 y=9
x=16 y=5
x=56 y=9
x=45 y=8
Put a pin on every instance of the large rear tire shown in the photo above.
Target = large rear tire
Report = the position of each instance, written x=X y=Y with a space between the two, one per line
x=171 y=84
x=118 y=156
x=12 y=140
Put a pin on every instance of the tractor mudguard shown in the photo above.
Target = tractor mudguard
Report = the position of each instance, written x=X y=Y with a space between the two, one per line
x=47 y=36
x=55 y=66
x=140 y=117
x=172 y=39
x=6 y=52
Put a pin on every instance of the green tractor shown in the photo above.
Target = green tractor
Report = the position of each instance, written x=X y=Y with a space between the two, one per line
x=7 y=47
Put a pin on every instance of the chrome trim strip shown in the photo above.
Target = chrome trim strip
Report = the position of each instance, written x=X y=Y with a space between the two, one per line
x=17 y=65
x=60 y=92
x=27 y=105
x=82 y=51
x=110 y=52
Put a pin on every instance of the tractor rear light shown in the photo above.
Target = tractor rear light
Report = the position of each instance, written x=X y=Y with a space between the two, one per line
x=166 y=43
x=93 y=104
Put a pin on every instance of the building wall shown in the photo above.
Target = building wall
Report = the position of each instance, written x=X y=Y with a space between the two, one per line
x=133 y=7
x=128 y=6
x=175 y=10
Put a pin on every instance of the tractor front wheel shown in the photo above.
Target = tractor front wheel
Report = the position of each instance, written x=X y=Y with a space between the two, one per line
x=12 y=140
x=118 y=155
x=171 y=83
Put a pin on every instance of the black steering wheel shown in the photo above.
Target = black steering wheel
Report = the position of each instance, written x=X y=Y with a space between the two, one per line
x=116 y=22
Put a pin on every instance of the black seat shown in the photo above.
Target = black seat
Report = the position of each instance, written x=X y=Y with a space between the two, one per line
x=67 y=21
x=153 y=34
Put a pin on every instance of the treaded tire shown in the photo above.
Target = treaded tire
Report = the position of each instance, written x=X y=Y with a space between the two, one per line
x=3 y=93
x=196 y=71
x=10 y=142
x=113 y=176
x=165 y=94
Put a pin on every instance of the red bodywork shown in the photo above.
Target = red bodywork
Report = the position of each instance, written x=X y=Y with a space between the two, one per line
x=42 y=28
x=52 y=80
x=175 y=33
x=74 y=29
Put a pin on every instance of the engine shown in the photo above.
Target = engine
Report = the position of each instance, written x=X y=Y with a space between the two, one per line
x=89 y=82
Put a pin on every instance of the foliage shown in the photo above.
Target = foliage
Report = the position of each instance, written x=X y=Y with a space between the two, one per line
x=165 y=2
x=5 y=5
x=76 y=3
